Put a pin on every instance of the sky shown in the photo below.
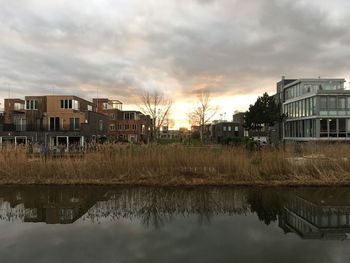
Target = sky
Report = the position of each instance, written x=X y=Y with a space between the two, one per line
x=234 y=49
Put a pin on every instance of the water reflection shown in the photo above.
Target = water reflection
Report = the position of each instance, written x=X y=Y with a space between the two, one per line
x=311 y=213
x=317 y=213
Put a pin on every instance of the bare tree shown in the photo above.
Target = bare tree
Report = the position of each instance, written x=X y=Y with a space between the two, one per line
x=157 y=106
x=203 y=113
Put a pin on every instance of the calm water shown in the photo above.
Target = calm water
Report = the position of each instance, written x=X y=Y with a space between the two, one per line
x=93 y=224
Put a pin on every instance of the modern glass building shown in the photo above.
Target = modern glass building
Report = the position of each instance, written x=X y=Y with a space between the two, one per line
x=316 y=109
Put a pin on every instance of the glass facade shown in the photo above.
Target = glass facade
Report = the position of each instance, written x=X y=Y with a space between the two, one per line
x=301 y=88
x=300 y=128
x=301 y=108
x=313 y=113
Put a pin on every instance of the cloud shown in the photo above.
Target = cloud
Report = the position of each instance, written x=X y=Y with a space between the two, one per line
x=121 y=48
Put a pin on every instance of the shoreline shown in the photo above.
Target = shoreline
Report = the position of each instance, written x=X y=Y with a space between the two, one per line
x=274 y=183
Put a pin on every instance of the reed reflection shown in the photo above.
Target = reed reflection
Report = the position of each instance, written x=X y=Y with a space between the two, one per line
x=319 y=213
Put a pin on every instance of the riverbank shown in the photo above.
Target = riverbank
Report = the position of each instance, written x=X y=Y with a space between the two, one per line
x=178 y=165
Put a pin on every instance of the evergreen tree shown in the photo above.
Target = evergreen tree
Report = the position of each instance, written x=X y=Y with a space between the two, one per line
x=265 y=112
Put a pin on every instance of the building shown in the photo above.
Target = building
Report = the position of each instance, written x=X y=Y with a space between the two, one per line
x=223 y=130
x=131 y=126
x=14 y=114
x=1 y=121
x=316 y=109
x=52 y=120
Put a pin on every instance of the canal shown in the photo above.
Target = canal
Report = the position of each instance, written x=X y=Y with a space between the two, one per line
x=141 y=224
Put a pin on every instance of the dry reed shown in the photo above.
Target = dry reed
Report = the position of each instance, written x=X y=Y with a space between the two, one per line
x=308 y=164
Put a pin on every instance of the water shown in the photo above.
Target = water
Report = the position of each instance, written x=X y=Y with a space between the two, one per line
x=103 y=224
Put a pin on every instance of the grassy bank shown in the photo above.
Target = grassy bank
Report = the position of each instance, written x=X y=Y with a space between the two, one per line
x=165 y=165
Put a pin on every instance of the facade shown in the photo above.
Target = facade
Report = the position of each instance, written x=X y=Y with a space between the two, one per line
x=131 y=126
x=223 y=130
x=315 y=109
x=14 y=114
x=1 y=121
x=53 y=121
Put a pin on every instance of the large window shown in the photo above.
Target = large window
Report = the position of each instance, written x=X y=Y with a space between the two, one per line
x=54 y=124
x=129 y=116
x=341 y=103
x=31 y=104
x=332 y=103
x=324 y=128
x=342 y=127
x=20 y=124
x=74 y=123
x=70 y=104
x=323 y=102
x=18 y=106
x=333 y=127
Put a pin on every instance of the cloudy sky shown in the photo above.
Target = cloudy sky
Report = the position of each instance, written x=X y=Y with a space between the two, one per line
x=233 y=48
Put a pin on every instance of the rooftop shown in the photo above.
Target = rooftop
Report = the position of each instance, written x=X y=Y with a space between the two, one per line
x=315 y=80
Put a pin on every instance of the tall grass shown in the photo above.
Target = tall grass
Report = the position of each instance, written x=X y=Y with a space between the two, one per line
x=180 y=165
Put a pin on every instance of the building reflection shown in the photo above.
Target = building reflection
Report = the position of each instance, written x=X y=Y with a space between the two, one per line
x=153 y=207
x=312 y=213
x=54 y=205
x=317 y=213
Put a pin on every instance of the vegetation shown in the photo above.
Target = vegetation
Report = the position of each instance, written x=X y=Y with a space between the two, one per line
x=265 y=111
x=182 y=165
x=202 y=114
x=157 y=106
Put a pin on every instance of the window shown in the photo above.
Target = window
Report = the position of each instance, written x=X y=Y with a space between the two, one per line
x=127 y=127
x=323 y=103
x=54 y=124
x=224 y=128
x=70 y=104
x=333 y=127
x=229 y=128
x=20 y=124
x=74 y=123
x=332 y=102
x=342 y=127
x=105 y=105
x=89 y=107
x=120 y=127
x=18 y=106
x=133 y=127
x=31 y=104
x=100 y=125
x=129 y=116
x=341 y=103
x=112 y=127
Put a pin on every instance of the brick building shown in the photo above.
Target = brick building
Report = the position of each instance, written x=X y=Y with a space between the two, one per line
x=52 y=120
x=131 y=126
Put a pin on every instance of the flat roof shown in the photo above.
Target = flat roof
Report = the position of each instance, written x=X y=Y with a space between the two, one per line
x=313 y=79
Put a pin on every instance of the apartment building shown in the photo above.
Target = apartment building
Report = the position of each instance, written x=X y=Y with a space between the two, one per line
x=223 y=130
x=316 y=109
x=131 y=126
x=14 y=114
x=52 y=120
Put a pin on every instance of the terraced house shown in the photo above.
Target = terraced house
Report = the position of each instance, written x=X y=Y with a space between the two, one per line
x=316 y=109
x=52 y=120
x=130 y=125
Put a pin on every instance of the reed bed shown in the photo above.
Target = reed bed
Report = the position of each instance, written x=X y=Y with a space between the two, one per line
x=307 y=164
